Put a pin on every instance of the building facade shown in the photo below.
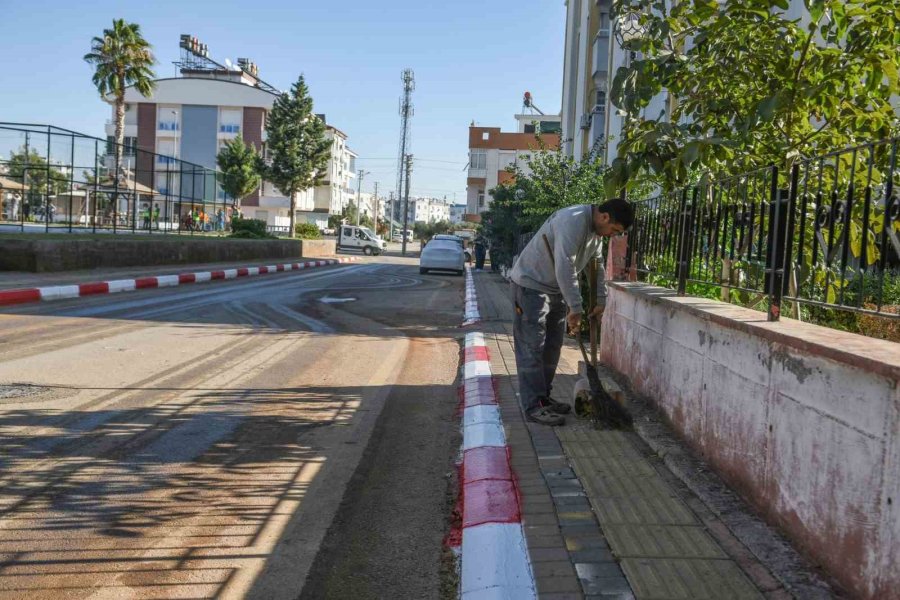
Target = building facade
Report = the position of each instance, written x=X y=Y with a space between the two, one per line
x=491 y=151
x=191 y=117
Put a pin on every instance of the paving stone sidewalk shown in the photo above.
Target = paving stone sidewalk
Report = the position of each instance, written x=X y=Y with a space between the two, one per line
x=603 y=517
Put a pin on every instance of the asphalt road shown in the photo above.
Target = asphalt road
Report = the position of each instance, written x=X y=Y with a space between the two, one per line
x=238 y=439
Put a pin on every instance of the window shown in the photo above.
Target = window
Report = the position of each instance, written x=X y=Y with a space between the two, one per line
x=347 y=232
x=130 y=144
x=230 y=120
x=530 y=128
x=478 y=159
x=480 y=198
x=601 y=98
x=485 y=136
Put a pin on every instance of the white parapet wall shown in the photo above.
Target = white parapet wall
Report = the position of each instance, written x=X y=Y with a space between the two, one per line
x=802 y=420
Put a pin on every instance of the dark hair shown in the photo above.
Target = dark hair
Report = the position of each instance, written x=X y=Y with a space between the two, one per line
x=619 y=210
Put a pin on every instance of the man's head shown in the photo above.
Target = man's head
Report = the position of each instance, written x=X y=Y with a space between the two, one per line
x=613 y=217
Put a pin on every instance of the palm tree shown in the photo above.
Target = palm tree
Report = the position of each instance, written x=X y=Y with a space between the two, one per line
x=121 y=58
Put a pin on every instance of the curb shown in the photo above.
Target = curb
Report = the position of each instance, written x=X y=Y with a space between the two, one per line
x=78 y=290
x=495 y=562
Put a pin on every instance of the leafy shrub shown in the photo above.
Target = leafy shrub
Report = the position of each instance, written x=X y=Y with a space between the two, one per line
x=249 y=229
x=308 y=231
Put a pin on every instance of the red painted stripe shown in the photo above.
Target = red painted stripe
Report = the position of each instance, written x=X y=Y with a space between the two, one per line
x=10 y=297
x=453 y=538
x=310 y=263
x=480 y=390
x=145 y=282
x=279 y=268
x=243 y=272
x=91 y=289
x=217 y=275
x=263 y=270
x=187 y=278
x=486 y=463
x=296 y=266
x=476 y=353
x=490 y=501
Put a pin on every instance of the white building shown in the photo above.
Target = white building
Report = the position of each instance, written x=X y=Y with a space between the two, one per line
x=190 y=118
x=456 y=213
x=491 y=151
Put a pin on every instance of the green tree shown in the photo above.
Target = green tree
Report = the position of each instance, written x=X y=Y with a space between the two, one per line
x=240 y=165
x=121 y=57
x=297 y=147
x=750 y=87
x=34 y=171
x=349 y=214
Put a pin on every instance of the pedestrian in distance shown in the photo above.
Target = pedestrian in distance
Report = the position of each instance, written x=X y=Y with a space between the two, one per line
x=547 y=299
x=480 y=253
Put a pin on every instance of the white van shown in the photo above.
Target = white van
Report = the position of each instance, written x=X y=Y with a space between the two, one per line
x=351 y=237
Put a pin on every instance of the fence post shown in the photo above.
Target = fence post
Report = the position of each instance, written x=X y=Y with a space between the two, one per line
x=684 y=241
x=775 y=247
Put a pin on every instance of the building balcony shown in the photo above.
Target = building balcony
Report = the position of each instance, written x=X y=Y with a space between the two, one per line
x=477 y=173
x=225 y=128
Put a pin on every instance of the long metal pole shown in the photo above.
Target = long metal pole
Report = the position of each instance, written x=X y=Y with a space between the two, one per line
x=375 y=207
x=406 y=202
x=359 y=179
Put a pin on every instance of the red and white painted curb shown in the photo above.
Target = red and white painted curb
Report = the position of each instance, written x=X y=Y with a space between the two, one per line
x=495 y=563
x=472 y=315
x=62 y=292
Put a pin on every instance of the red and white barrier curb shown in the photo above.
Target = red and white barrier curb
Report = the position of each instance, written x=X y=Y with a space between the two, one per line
x=472 y=315
x=62 y=292
x=495 y=563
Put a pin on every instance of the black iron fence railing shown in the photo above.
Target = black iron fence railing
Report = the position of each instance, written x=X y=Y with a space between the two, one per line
x=824 y=232
x=53 y=179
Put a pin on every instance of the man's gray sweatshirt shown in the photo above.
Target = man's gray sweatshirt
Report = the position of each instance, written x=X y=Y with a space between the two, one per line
x=570 y=232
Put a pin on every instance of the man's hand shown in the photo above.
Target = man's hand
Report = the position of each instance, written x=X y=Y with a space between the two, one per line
x=597 y=313
x=573 y=323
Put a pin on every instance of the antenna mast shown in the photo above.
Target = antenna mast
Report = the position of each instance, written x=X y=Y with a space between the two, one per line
x=406 y=113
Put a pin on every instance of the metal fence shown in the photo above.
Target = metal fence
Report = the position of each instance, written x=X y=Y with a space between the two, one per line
x=55 y=180
x=825 y=233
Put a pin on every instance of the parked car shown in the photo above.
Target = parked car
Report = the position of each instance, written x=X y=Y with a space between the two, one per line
x=455 y=238
x=351 y=237
x=442 y=255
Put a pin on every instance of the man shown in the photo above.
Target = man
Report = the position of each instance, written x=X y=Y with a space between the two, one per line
x=544 y=283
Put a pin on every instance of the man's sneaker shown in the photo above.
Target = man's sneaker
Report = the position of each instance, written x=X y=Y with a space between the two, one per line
x=560 y=408
x=544 y=416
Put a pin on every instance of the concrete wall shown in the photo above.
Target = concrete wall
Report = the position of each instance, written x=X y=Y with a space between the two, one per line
x=64 y=255
x=803 y=421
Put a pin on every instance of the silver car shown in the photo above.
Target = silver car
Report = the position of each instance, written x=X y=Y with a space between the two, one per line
x=442 y=255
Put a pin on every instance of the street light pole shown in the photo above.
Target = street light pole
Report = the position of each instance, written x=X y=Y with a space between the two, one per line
x=375 y=208
x=361 y=174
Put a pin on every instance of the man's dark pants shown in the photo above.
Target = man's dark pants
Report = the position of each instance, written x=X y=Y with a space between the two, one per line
x=539 y=328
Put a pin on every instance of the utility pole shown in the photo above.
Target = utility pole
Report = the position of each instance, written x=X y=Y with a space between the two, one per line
x=408 y=169
x=375 y=207
x=360 y=175
x=406 y=113
x=391 y=217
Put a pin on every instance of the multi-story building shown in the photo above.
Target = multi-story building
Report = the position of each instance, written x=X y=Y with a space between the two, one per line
x=456 y=213
x=191 y=117
x=586 y=77
x=491 y=151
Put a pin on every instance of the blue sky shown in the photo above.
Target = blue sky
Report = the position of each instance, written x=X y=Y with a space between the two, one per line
x=473 y=60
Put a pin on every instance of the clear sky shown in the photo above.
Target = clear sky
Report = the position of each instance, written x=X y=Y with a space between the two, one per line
x=473 y=60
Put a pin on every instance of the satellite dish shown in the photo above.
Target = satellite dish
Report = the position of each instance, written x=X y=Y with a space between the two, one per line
x=228 y=63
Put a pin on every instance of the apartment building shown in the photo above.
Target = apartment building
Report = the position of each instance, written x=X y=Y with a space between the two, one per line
x=492 y=150
x=192 y=116
x=586 y=77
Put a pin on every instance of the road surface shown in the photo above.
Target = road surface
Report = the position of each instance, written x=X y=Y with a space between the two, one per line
x=208 y=441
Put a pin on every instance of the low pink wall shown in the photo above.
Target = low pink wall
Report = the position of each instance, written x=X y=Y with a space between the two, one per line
x=803 y=421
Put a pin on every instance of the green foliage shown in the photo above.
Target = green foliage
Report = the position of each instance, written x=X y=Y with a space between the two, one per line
x=121 y=58
x=34 y=171
x=307 y=231
x=350 y=213
x=240 y=165
x=426 y=231
x=334 y=221
x=550 y=182
x=250 y=229
x=297 y=147
x=750 y=87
